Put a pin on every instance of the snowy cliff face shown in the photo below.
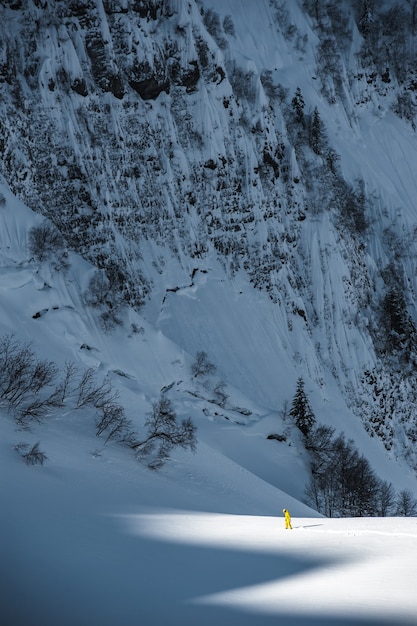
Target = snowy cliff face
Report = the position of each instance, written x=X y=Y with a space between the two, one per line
x=243 y=174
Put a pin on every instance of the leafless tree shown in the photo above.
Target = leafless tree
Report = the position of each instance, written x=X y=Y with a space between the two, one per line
x=202 y=366
x=91 y=392
x=62 y=389
x=45 y=242
x=220 y=395
x=164 y=434
x=112 y=422
x=386 y=498
x=22 y=376
x=406 y=504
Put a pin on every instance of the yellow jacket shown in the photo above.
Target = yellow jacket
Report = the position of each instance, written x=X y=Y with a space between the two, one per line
x=287 y=518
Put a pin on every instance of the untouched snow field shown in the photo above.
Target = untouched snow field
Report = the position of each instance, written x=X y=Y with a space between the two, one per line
x=134 y=547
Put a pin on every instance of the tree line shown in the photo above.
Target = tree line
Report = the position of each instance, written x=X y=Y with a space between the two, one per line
x=342 y=482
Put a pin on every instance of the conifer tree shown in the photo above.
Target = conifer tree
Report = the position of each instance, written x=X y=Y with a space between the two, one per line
x=317 y=134
x=398 y=325
x=298 y=106
x=365 y=9
x=301 y=410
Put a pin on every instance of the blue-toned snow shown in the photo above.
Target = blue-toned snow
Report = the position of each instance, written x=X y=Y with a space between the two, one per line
x=95 y=538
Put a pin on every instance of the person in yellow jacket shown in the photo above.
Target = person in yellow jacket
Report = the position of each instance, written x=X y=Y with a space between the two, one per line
x=287 y=518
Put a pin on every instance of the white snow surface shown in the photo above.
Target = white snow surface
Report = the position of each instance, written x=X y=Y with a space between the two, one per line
x=101 y=540
x=93 y=537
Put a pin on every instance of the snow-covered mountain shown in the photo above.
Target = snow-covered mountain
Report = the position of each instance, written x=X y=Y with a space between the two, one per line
x=241 y=174
x=229 y=177
x=201 y=203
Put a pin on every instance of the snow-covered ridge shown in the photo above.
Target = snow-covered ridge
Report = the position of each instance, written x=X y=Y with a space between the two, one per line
x=160 y=139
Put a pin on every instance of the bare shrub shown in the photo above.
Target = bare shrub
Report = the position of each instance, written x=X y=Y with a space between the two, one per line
x=62 y=390
x=220 y=395
x=99 y=290
x=91 y=392
x=22 y=376
x=202 y=366
x=35 y=410
x=164 y=434
x=105 y=292
x=33 y=455
x=45 y=243
x=113 y=422
x=228 y=25
x=406 y=504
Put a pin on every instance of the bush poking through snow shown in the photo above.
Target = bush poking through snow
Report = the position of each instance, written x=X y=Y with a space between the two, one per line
x=27 y=391
x=25 y=381
x=93 y=393
x=105 y=292
x=99 y=290
x=32 y=456
x=202 y=366
x=164 y=434
x=112 y=422
x=45 y=243
x=220 y=395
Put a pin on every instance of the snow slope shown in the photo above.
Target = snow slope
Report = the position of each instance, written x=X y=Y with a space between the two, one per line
x=94 y=537
x=178 y=192
x=97 y=539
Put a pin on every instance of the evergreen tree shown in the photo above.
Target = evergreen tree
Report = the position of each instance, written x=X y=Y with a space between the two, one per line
x=400 y=331
x=317 y=137
x=395 y=309
x=298 y=105
x=366 y=15
x=301 y=410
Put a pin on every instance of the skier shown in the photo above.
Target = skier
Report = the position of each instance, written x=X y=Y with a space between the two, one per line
x=287 y=518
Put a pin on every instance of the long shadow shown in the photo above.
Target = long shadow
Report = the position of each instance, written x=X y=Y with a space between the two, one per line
x=133 y=581
x=309 y=526
x=206 y=570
